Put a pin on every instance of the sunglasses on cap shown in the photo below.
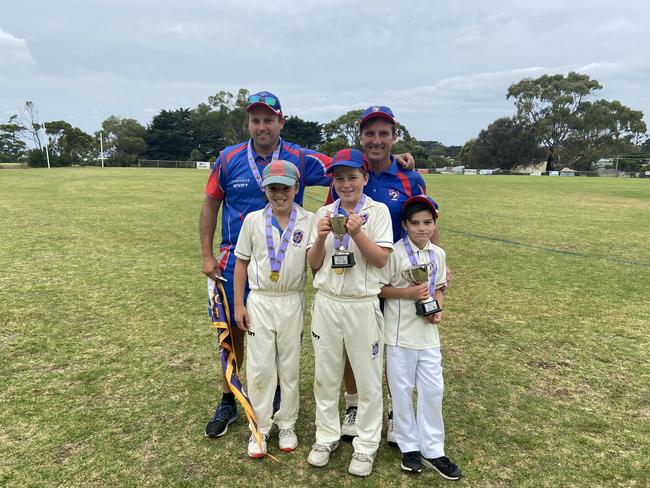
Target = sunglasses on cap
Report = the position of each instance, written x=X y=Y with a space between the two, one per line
x=268 y=99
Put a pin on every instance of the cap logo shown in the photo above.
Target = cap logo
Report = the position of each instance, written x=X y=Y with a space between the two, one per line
x=376 y=109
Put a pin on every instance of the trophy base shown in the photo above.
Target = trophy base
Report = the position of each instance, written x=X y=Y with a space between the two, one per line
x=424 y=309
x=343 y=260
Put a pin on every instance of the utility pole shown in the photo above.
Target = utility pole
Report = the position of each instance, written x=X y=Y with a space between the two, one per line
x=101 y=146
x=47 y=151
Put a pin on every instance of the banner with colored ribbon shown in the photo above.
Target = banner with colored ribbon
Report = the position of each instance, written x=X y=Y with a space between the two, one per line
x=220 y=313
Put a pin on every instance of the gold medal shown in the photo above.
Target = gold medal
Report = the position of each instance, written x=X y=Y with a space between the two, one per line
x=275 y=276
x=338 y=271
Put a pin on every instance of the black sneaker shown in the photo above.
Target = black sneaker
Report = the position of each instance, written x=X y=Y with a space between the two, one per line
x=225 y=415
x=277 y=398
x=444 y=467
x=411 y=462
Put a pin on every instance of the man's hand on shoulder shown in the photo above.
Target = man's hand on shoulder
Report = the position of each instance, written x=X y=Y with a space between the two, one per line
x=405 y=160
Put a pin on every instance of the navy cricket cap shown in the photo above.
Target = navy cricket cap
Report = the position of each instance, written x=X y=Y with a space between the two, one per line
x=352 y=158
x=377 y=111
x=264 y=99
x=425 y=199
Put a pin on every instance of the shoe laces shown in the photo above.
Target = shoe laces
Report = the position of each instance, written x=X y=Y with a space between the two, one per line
x=252 y=440
x=362 y=457
x=351 y=415
x=224 y=412
x=444 y=461
x=412 y=455
x=286 y=433
x=321 y=447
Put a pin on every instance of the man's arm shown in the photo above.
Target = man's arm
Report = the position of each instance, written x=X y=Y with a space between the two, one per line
x=207 y=226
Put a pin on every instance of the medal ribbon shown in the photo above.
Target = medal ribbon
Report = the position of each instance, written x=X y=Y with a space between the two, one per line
x=253 y=165
x=414 y=262
x=276 y=260
x=337 y=210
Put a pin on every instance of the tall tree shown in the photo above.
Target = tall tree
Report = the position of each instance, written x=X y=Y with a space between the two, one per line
x=232 y=111
x=504 y=144
x=345 y=127
x=170 y=135
x=68 y=145
x=123 y=140
x=570 y=127
x=307 y=134
x=551 y=105
x=27 y=119
x=207 y=130
x=12 y=148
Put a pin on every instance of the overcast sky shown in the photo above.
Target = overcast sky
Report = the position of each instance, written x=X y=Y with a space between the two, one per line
x=443 y=66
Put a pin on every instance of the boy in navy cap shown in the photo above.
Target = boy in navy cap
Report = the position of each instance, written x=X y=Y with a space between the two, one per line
x=345 y=315
x=413 y=358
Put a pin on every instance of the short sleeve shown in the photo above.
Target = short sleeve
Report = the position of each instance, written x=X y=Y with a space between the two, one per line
x=441 y=274
x=215 y=187
x=388 y=272
x=383 y=228
x=313 y=233
x=315 y=168
x=419 y=187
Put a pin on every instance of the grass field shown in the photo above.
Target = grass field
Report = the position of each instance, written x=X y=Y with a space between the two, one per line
x=109 y=364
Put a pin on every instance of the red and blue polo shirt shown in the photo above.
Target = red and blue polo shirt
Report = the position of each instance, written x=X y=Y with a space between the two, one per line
x=392 y=187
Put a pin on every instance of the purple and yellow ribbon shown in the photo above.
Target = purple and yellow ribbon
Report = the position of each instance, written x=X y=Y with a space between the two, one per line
x=220 y=314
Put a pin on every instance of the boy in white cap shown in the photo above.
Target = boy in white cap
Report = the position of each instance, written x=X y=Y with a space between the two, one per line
x=345 y=314
x=413 y=360
x=271 y=255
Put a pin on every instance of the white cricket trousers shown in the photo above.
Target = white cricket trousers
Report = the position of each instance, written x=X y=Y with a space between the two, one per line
x=272 y=353
x=421 y=369
x=354 y=325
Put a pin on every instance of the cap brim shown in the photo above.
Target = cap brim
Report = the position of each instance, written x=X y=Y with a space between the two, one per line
x=348 y=164
x=377 y=115
x=264 y=105
x=280 y=180
x=421 y=199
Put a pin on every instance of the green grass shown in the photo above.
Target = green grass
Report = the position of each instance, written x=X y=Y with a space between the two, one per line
x=109 y=363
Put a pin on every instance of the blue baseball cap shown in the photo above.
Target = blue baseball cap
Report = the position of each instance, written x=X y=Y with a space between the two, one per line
x=352 y=158
x=377 y=111
x=264 y=99
x=425 y=199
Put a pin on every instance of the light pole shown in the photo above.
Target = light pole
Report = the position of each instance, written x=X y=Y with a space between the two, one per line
x=101 y=146
x=47 y=151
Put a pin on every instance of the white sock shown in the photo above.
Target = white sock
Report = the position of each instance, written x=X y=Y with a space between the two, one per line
x=351 y=400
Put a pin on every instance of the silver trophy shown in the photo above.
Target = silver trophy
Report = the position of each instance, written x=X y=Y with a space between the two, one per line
x=342 y=258
x=417 y=275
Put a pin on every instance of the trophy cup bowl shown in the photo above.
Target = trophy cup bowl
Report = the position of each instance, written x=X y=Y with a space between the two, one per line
x=417 y=275
x=341 y=257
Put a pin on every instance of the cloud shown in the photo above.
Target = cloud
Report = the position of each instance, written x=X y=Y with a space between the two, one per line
x=14 y=55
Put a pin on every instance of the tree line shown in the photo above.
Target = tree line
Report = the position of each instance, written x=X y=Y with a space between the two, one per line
x=556 y=120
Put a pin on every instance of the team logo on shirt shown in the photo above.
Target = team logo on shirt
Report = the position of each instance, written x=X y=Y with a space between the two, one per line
x=393 y=194
x=241 y=182
x=297 y=237
x=375 y=349
x=364 y=218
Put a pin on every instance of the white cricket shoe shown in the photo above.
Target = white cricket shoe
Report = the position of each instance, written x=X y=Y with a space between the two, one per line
x=319 y=455
x=361 y=464
x=288 y=439
x=254 y=450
